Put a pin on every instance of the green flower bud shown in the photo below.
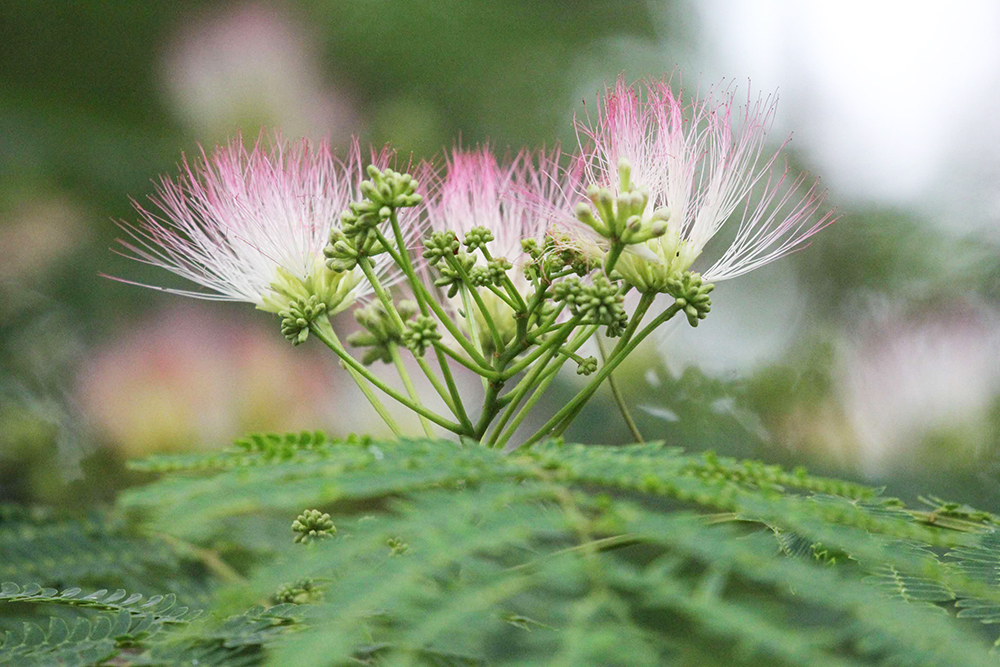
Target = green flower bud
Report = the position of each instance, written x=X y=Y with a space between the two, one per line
x=397 y=547
x=312 y=525
x=568 y=290
x=341 y=253
x=420 y=333
x=530 y=247
x=295 y=320
x=586 y=215
x=302 y=591
x=451 y=276
x=497 y=268
x=691 y=294
x=601 y=302
x=381 y=330
x=479 y=276
x=477 y=238
x=389 y=190
x=440 y=244
x=587 y=366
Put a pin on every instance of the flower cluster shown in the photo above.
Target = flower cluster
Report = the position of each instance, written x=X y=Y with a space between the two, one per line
x=512 y=264
x=250 y=225
x=490 y=206
x=665 y=175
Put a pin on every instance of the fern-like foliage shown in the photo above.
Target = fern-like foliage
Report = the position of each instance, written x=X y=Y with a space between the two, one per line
x=443 y=553
x=451 y=553
x=126 y=619
x=92 y=552
x=159 y=608
x=85 y=643
x=135 y=630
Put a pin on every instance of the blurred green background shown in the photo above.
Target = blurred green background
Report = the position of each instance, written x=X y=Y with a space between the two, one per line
x=874 y=354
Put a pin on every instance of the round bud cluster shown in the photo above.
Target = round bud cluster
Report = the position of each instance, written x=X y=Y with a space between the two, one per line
x=600 y=302
x=302 y=591
x=587 y=366
x=387 y=191
x=340 y=252
x=439 y=245
x=622 y=219
x=691 y=294
x=553 y=255
x=381 y=330
x=477 y=238
x=295 y=320
x=497 y=268
x=420 y=333
x=312 y=525
x=451 y=276
x=479 y=276
x=397 y=547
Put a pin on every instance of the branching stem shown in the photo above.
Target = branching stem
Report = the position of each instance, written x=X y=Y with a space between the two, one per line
x=619 y=399
x=628 y=343
x=325 y=334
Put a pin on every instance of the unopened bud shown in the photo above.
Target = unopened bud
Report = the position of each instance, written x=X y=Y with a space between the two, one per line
x=585 y=215
x=624 y=174
x=662 y=213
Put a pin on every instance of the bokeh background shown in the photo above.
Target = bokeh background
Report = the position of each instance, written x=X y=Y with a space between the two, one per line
x=874 y=354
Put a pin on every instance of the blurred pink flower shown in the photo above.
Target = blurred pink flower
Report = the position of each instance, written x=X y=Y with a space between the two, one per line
x=908 y=377
x=160 y=386
x=250 y=225
x=700 y=161
x=252 y=66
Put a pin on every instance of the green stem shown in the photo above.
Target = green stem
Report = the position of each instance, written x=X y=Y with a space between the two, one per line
x=524 y=362
x=410 y=389
x=390 y=308
x=619 y=399
x=383 y=296
x=324 y=334
x=473 y=329
x=520 y=306
x=485 y=373
x=425 y=300
x=491 y=406
x=644 y=303
x=612 y=257
x=503 y=297
x=616 y=358
x=402 y=259
x=364 y=387
x=545 y=379
x=574 y=345
x=528 y=382
x=487 y=318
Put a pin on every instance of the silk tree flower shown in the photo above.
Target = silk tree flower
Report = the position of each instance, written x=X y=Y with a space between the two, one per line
x=477 y=190
x=253 y=64
x=250 y=225
x=688 y=167
x=919 y=385
x=156 y=386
